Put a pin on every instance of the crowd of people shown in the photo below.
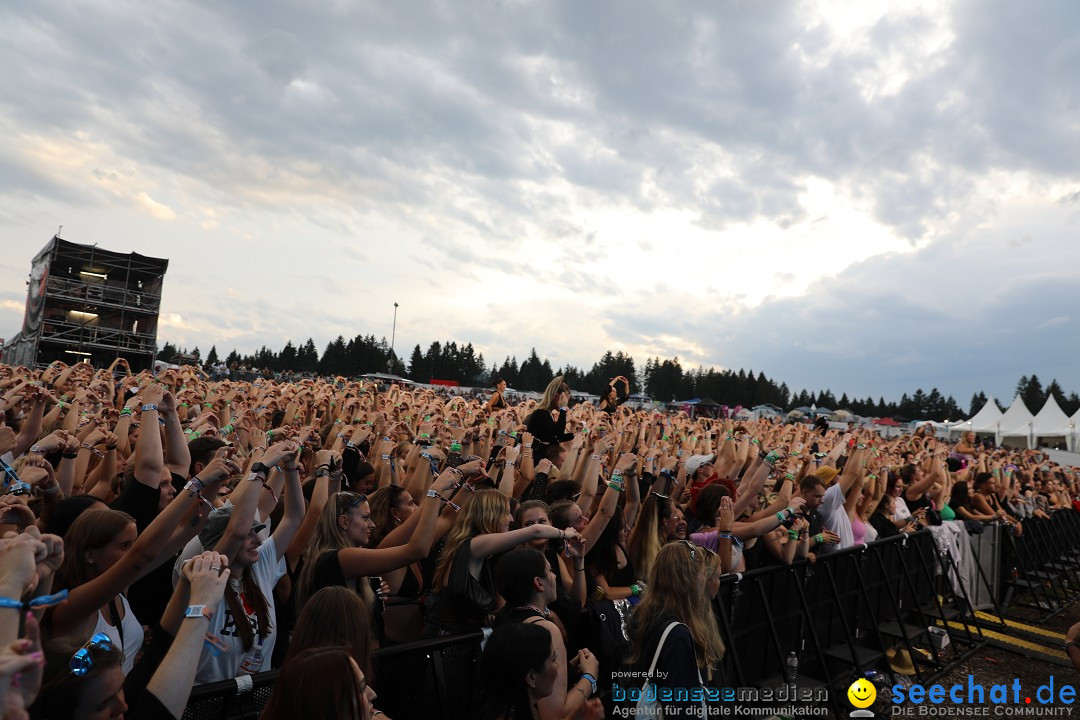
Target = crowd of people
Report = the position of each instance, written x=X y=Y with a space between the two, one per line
x=165 y=531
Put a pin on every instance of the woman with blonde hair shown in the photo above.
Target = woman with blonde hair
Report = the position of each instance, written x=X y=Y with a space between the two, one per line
x=675 y=624
x=547 y=423
x=649 y=532
x=463 y=587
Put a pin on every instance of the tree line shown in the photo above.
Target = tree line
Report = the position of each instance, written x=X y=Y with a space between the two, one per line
x=661 y=379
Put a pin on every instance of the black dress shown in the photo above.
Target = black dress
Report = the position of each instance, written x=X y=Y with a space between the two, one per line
x=547 y=431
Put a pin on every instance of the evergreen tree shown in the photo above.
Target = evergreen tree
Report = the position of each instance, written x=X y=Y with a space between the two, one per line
x=333 y=358
x=211 y=357
x=1033 y=395
x=1053 y=389
x=418 y=367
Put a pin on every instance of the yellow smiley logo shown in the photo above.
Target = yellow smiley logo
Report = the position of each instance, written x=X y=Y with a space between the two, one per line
x=862 y=693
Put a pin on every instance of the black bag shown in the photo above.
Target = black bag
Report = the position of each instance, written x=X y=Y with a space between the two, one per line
x=974 y=527
x=473 y=598
x=607 y=636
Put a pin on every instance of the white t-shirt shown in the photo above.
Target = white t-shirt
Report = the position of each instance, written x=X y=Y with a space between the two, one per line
x=834 y=516
x=226 y=664
x=900 y=509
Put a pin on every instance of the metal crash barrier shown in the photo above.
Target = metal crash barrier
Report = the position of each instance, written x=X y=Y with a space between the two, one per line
x=425 y=679
x=841 y=614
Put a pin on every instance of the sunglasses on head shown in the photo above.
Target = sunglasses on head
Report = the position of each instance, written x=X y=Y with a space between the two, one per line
x=360 y=498
x=692 y=547
x=83 y=659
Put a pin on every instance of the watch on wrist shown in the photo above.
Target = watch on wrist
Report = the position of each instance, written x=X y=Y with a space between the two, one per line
x=260 y=468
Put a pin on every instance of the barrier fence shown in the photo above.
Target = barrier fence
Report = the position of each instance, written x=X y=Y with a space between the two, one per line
x=840 y=616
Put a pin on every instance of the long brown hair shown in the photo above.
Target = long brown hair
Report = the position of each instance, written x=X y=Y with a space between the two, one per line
x=318 y=684
x=92 y=530
x=481 y=514
x=677 y=589
x=349 y=627
x=255 y=598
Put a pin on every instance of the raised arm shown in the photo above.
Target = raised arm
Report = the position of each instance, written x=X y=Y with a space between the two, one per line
x=172 y=682
x=294 y=507
x=176 y=454
x=362 y=562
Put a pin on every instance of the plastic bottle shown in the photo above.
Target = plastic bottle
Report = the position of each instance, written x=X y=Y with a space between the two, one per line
x=453 y=458
x=253 y=661
x=791 y=667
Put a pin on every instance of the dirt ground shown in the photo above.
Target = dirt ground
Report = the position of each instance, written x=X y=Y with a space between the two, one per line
x=996 y=666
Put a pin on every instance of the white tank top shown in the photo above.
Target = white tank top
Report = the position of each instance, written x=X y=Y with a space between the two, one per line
x=133 y=634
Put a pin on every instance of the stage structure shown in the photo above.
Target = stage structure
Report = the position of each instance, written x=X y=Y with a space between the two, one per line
x=88 y=303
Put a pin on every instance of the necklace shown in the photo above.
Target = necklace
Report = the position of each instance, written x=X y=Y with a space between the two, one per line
x=236 y=584
x=545 y=613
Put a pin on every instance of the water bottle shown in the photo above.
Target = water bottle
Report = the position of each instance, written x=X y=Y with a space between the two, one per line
x=453 y=458
x=791 y=667
x=253 y=661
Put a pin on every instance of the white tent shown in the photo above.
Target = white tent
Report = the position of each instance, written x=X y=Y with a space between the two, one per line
x=984 y=421
x=1052 y=422
x=1016 y=424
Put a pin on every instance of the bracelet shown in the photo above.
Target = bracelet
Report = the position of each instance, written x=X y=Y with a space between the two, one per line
x=149 y=406
x=198 y=611
x=125 y=411
x=194 y=483
x=41 y=601
x=267 y=488
x=793 y=534
x=616 y=487
x=723 y=535
x=449 y=503
x=579 y=569
x=51 y=490
x=92 y=449
x=635 y=590
x=819 y=538
x=69 y=456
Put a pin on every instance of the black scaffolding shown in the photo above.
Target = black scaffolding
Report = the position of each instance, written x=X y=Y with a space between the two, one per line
x=85 y=302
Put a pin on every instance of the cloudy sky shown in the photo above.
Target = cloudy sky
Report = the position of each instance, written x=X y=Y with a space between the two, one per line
x=869 y=197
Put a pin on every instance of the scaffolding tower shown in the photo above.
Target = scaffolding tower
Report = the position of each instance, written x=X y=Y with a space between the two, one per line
x=88 y=303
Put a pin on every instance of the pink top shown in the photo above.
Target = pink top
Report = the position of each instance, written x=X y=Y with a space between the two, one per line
x=858 y=530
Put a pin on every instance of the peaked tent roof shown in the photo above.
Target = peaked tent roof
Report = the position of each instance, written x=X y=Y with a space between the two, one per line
x=986 y=420
x=1016 y=422
x=1052 y=420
